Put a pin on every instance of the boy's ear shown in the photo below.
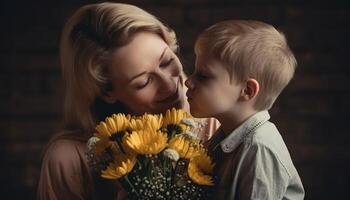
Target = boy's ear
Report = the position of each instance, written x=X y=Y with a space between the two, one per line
x=250 y=90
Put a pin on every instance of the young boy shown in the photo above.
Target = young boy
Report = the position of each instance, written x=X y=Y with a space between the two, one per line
x=241 y=68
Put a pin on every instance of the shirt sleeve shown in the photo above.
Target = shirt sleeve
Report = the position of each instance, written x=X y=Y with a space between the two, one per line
x=63 y=173
x=262 y=175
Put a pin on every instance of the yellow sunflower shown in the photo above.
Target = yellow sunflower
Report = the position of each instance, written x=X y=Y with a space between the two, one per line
x=135 y=123
x=102 y=144
x=110 y=130
x=149 y=121
x=173 y=121
x=112 y=125
x=121 y=166
x=146 y=141
x=200 y=168
x=186 y=147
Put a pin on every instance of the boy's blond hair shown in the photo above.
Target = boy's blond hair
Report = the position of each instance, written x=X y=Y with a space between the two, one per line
x=251 y=49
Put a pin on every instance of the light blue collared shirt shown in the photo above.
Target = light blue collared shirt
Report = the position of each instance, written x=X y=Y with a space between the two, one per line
x=253 y=162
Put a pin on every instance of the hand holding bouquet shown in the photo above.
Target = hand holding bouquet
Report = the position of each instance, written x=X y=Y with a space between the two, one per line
x=153 y=157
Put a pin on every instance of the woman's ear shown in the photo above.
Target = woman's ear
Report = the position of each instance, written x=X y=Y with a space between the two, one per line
x=250 y=90
x=109 y=97
x=108 y=94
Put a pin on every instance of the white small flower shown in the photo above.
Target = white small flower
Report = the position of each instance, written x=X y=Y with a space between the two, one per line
x=194 y=124
x=171 y=154
x=200 y=123
x=190 y=135
x=91 y=142
x=189 y=122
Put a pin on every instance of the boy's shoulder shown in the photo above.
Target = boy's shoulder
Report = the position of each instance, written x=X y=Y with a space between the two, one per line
x=268 y=139
x=266 y=135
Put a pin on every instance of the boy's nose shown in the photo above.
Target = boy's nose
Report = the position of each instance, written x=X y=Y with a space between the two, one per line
x=189 y=83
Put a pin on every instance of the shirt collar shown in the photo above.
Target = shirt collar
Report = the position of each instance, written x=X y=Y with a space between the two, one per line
x=244 y=130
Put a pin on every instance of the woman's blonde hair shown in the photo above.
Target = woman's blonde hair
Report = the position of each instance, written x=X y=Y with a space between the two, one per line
x=251 y=49
x=88 y=39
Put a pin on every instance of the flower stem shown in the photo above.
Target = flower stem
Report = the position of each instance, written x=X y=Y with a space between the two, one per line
x=132 y=186
x=120 y=145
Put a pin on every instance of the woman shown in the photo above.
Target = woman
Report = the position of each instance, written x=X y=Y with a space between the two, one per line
x=115 y=58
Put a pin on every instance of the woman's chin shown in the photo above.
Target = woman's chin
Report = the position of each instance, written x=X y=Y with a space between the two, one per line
x=177 y=104
x=195 y=113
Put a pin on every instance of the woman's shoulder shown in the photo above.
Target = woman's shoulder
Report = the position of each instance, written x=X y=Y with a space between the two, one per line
x=64 y=169
x=65 y=148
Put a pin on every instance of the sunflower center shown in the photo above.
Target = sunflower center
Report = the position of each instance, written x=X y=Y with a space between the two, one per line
x=174 y=129
x=117 y=137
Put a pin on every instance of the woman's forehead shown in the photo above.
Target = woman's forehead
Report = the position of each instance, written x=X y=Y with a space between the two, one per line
x=141 y=54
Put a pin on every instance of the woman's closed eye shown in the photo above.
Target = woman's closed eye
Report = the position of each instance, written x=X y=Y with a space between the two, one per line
x=166 y=63
x=149 y=79
x=143 y=85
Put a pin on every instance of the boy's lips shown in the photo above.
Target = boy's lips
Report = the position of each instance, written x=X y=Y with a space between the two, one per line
x=188 y=96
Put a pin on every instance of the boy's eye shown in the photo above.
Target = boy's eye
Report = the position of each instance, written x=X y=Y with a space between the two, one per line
x=139 y=87
x=201 y=77
x=166 y=63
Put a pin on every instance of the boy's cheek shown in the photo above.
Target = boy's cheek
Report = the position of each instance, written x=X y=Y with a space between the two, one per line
x=204 y=94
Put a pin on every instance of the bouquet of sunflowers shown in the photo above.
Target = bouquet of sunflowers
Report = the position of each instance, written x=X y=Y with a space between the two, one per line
x=153 y=156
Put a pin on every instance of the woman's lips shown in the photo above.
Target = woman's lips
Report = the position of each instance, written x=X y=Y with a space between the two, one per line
x=172 y=97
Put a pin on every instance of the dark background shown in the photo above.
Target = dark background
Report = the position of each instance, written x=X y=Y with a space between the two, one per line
x=312 y=113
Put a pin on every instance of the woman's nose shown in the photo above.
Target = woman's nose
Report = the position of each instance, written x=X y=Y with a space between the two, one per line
x=168 y=83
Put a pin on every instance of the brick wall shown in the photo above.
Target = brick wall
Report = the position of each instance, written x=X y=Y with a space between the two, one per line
x=311 y=112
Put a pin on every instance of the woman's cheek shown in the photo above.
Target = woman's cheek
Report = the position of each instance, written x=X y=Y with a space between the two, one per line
x=147 y=94
x=177 y=68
